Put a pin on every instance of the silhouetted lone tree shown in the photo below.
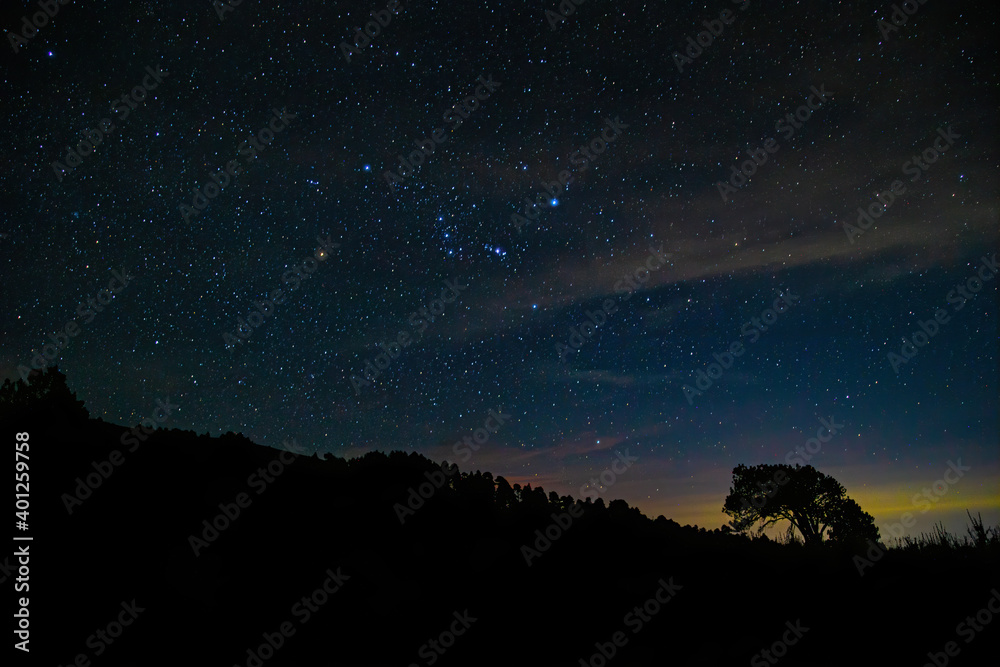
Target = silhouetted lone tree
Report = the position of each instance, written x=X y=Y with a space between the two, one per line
x=814 y=503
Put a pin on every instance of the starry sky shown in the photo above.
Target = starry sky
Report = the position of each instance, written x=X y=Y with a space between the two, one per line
x=309 y=122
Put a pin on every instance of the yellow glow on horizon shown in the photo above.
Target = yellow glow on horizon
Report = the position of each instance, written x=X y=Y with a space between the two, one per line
x=887 y=503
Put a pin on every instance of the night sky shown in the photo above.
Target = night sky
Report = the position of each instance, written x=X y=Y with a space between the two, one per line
x=649 y=227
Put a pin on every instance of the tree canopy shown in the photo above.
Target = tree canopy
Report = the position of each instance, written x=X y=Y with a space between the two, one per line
x=45 y=396
x=813 y=503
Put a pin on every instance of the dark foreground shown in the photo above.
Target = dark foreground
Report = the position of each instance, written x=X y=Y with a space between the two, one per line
x=309 y=564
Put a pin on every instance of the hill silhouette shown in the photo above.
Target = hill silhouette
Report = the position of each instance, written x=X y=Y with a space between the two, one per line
x=401 y=569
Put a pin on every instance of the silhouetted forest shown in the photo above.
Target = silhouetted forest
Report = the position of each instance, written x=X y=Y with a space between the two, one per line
x=399 y=584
